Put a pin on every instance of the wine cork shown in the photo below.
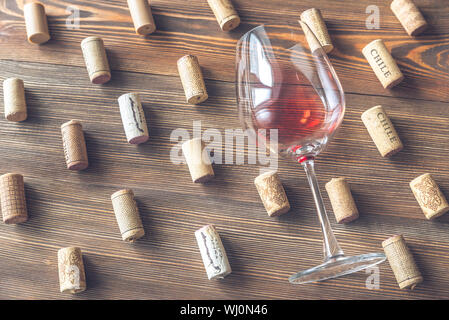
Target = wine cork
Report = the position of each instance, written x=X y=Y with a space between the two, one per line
x=127 y=215
x=342 y=202
x=429 y=196
x=75 y=150
x=382 y=131
x=213 y=253
x=402 y=262
x=226 y=15
x=192 y=79
x=133 y=118
x=410 y=17
x=272 y=193
x=314 y=20
x=383 y=64
x=14 y=98
x=36 y=23
x=72 y=278
x=96 y=60
x=198 y=160
x=142 y=17
x=12 y=198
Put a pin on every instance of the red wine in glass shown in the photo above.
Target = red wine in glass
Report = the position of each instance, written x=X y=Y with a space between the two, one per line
x=294 y=109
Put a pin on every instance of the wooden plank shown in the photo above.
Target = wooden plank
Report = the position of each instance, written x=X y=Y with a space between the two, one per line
x=68 y=208
x=190 y=27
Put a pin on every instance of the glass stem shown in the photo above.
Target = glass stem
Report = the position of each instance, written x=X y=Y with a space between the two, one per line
x=331 y=247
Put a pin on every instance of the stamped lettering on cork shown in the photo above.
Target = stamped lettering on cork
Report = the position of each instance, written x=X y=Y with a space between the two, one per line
x=136 y=111
x=427 y=192
x=386 y=126
x=218 y=256
x=380 y=63
x=382 y=131
x=383 y=63
x=71 y=274
x=212 y=252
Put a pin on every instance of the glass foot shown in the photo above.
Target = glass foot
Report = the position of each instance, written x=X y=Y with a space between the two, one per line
x=336 y=267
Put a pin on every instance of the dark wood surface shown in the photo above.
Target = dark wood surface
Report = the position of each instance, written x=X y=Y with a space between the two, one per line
x=69 y=208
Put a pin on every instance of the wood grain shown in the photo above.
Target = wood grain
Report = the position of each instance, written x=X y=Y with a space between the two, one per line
x=69 y=208
x=190 y=27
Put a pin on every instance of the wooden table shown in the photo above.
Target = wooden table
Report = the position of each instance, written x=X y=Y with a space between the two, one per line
x=70 y=208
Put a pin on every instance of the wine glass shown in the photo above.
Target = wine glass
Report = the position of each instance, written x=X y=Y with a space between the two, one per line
x=286 y=82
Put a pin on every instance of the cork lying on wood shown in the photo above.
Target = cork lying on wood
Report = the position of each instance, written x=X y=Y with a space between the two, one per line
x=410 y=17
x=14 y=98
x=383 y=64
x=142 y=17
x=272 y=193
x=74 y=144
x=96 y=60
x=133 y=118
x=213 y=253
x=382 y=131
x=429 y=196
x=192 y=79
x=72 y=278
x=402 y=262
x=36 y=23
x=314 y=20
x=343 y=204
x=226 y=15
x=127 y=215
x=198 y=160
x=12 y=198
